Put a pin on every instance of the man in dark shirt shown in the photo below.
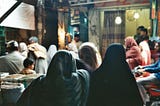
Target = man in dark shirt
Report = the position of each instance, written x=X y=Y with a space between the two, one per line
x=137 y=36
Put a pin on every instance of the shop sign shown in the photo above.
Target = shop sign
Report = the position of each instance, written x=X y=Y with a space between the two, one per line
x=75 y=16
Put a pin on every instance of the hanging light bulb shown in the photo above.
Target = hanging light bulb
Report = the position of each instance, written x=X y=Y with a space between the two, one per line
x=118 y=20
x=136 y=15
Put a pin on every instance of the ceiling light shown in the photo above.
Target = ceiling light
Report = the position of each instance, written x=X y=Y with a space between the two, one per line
x=118 y=20
x=136 y=15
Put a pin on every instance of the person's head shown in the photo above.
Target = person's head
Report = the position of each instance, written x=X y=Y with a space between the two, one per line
x=89 y=54
x=114 y=65
x=77 y=37
x=28 y=63
x=139 y=29
x=62 y=65
x=12 y=46
x=130 y=42
x=51 y=52
x=143 y=32
x=114 y=53
x=33 y=39
x=23 y=49
x=157 y=46
x=149 y=31
x=145 y=37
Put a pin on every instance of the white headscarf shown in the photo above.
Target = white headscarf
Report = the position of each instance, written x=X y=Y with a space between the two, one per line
x=23 y=49
x=51 y=52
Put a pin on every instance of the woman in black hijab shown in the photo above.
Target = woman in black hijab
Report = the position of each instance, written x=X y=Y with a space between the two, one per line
x=63 y=85
x=113 y=84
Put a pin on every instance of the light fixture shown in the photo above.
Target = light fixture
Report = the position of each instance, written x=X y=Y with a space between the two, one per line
x=85 y=20
x=136 y=15
x=118 y=20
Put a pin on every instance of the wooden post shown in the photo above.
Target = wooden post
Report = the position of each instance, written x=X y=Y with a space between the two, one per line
x=40 y=20
x=159 y=18
x=51 y=24
x=2 y=40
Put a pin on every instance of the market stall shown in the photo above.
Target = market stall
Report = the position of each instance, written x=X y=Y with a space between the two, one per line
x=12 y=86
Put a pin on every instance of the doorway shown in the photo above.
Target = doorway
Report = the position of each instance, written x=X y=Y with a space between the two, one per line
x=115 y=33
x=114 y=27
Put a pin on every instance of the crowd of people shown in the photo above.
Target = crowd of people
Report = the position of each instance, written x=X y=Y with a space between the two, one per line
x=144 y=61
x=79 y=76
x=67 y=84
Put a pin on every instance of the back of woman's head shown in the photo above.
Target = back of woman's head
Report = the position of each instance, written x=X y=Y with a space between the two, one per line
x=130 y=42
x=51 y=52
x=88 y=55
x=114 y=61
x=23 y=47
x=115 y=53
x=62 y=64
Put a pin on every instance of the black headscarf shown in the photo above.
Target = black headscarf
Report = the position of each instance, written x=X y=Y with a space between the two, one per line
x=63 y=85
x=82 y=65
x=113 y=84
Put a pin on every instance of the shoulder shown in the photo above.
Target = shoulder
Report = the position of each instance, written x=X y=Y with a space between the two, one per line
x=83 y=72
x=83 y=75
x=37 y=80
x=30 y=93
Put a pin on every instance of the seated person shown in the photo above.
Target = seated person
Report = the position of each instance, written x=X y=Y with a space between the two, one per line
x=133 y=53
x=152 y=68
x=28 y=66
x=145 y=50
x=153 y=78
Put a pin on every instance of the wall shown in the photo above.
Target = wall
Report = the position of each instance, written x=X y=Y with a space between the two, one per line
x=144 y=20
x=96 y=17
x=109 y=3
x=94 y=27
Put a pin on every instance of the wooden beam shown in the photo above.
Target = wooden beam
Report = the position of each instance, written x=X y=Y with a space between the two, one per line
x=95 y=2
x=32 y=2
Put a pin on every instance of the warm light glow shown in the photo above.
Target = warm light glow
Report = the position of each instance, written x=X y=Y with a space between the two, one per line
x=61 y=36
x=118 y=20
x=136 y=15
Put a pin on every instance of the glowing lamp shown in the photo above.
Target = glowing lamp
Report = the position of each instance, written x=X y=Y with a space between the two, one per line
x=136 y=15
x=118 y=20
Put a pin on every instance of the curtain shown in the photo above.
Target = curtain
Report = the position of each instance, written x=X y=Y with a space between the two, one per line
x=113 y=33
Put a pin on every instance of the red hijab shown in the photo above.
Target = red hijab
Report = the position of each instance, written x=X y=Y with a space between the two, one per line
x=133 y=53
